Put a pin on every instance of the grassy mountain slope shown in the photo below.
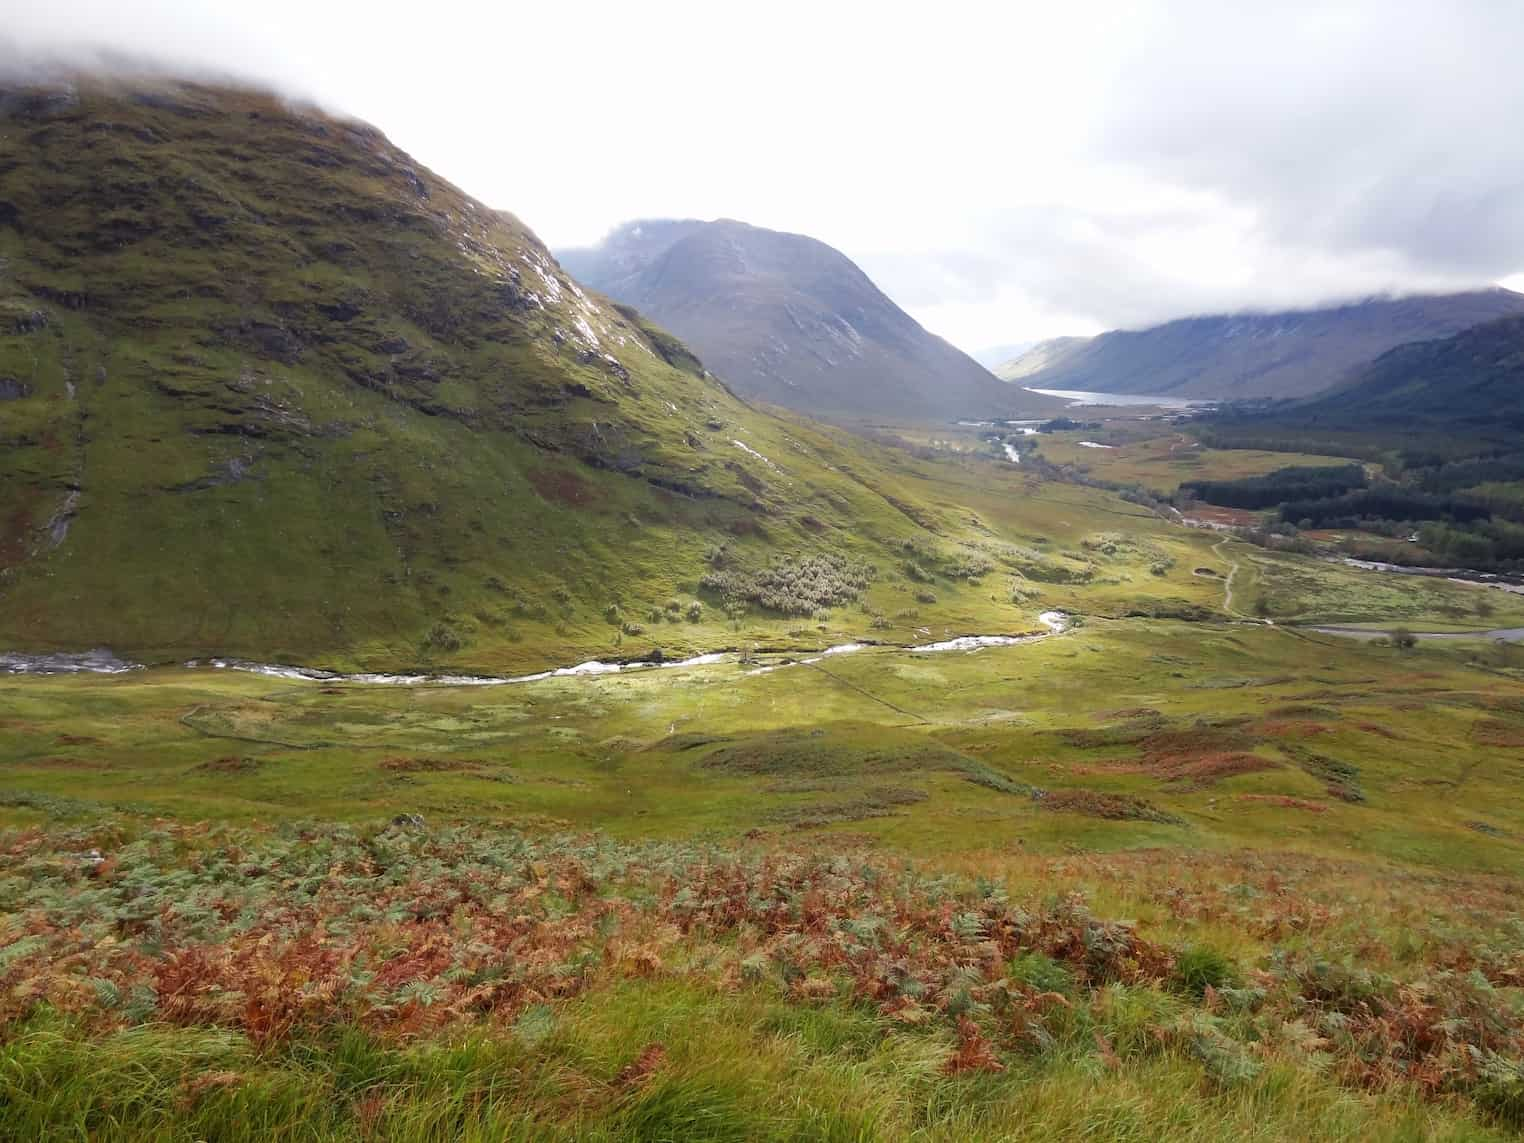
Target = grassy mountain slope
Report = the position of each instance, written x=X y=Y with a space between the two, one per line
x=1291 y=354
x=269 y=389
x=273 y=388
x=1472 y=381
x=789 y=320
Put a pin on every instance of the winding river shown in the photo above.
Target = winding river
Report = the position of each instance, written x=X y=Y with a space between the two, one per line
x=102 y=661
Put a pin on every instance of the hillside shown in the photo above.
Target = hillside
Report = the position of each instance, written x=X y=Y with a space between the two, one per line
x=1045 y=355
x=1234 y=356
x=788 y=320
x=1473 y=380
x=269 y=388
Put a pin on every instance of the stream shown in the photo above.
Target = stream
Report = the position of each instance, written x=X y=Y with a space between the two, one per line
x=1497 y=635
x=102 y=661
x=1454 y=575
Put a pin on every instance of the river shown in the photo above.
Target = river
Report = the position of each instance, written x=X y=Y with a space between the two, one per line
x=1497 y=635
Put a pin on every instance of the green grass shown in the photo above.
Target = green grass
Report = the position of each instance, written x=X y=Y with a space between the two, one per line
x=654 y=1027
x=719 y=749
x=1161 y=459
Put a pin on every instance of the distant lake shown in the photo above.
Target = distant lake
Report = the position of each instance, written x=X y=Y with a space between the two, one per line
x=1082 y=397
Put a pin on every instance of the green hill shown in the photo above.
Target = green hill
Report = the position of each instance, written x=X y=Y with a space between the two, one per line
x=270 y=389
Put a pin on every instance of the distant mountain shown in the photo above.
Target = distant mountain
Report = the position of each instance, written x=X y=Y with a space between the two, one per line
x=1472 y=380
x=1036 y=358
x=1291 y=354
x=786 y=319
x=999 y=354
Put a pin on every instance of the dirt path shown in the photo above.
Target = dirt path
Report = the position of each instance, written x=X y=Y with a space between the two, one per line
x=1227 y=583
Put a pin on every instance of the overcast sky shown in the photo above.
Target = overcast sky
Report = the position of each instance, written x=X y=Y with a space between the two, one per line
x=1005 y=171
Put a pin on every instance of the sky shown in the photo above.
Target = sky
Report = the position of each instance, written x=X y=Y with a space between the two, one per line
x=1005 y=171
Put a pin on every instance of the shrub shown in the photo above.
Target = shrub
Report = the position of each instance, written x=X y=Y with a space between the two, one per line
x=1200 y=967
x=695 y=611
x=1040 y=972
x=443 y=637
x=925 y=597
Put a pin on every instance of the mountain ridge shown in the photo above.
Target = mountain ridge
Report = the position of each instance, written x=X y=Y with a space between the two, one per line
x=1473 y=379
x=1280 y=354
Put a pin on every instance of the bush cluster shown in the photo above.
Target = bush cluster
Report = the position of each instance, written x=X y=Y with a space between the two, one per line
x=792 y=585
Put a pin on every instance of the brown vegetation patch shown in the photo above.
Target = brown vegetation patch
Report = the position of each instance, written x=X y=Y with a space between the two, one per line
x=1494 y=732
x=1205 y=769
x=230 y=764
x=78 y=740
x=64 y=764
x=407 y=765
x=877 y=802
x=1286 y=802
x=1131 y=712
x=642 y=1067
x=1202 y=755
x=14 y=536
x=1304 y=710
x=1377 y=729
x=561 y=487
x=1111 y=807
x=1292 y=728
x=1198 y=755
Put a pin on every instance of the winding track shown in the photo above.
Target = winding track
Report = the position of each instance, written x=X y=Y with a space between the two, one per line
x=1227 y=583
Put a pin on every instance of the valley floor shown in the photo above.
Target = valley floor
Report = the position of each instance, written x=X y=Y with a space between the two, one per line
x=1147 y=879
